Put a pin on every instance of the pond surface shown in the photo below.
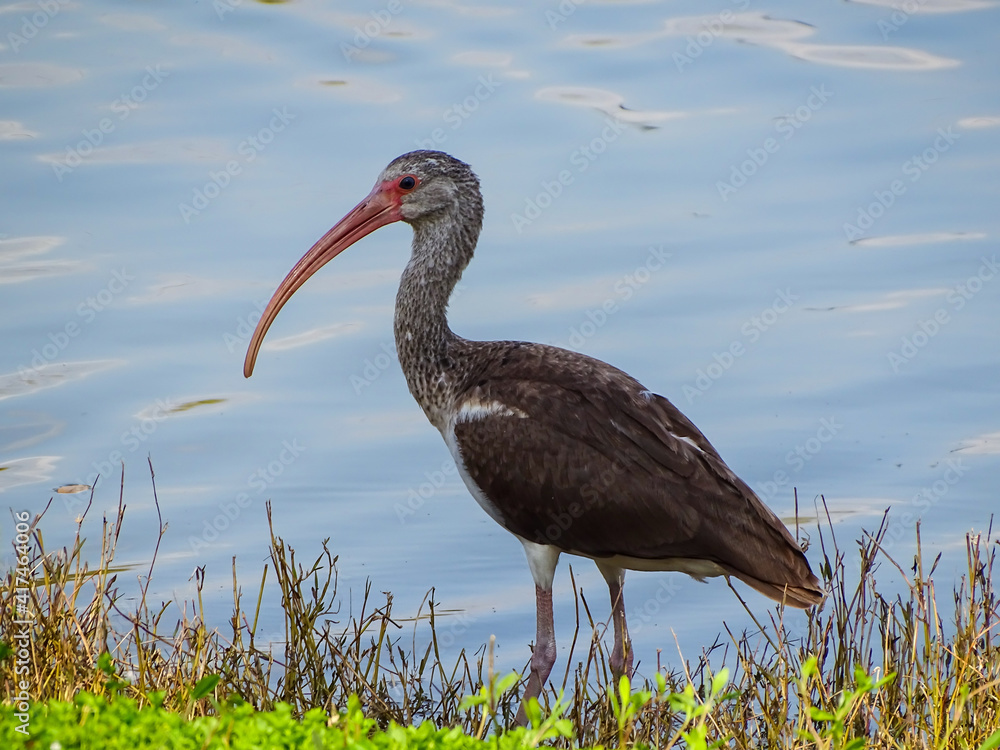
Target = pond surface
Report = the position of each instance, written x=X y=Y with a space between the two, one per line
x=783 y=218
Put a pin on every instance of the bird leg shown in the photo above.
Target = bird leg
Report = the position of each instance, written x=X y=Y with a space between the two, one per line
x=621 y=655
x=544 y=654
x=542 y=559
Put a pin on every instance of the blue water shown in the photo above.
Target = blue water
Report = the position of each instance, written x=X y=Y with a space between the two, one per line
x=782 y=218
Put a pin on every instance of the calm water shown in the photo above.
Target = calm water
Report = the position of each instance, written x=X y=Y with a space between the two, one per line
x=782 y=218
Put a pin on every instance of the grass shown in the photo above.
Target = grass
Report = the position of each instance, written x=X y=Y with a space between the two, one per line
x=91 y=722
x=916 y=670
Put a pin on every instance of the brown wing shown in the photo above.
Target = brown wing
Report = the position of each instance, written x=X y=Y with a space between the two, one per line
x=577 y=454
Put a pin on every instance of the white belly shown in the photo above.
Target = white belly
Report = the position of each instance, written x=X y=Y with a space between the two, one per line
x=484 y=502
x=699 y=569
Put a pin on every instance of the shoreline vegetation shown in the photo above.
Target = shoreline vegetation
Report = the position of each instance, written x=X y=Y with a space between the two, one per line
x=916 y=670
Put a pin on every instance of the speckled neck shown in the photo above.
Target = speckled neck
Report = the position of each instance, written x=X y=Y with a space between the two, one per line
x=442 y=248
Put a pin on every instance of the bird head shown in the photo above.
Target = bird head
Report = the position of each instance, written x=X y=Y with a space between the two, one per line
x=423 y=188
x=428 y=184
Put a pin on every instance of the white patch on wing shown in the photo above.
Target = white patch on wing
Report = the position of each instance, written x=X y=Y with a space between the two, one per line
x=689 y=441
x=650 y=396
x=478 y=409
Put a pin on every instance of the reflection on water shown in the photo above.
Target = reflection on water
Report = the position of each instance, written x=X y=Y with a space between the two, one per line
x=974 y=123
x=37 y=75
x=900 y=240
x=312 y=336
x=15 y=266
x=930 y=6
x=132 y=22
x=607 y=102
x=363 y=89
x=159 y=410
x=21 y=429
x=889 y=301
x=763 y=30
x=11 y=130
x=165 y=151
x=869 y=57
x=983 y=445
x=42 y=374
x=20 y=471
x=72 y=489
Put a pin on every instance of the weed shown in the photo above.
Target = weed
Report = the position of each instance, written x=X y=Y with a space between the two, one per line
x=910 y=671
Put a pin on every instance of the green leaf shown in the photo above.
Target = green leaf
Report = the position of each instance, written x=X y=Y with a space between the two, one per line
x=204 y=686
x=106 y=664
x=809 y=667
x=992 y=742
x=476 y=699
x=534 y=712
x=720 y=680
x=504 y=684
x=696 y=738
x=661 y=684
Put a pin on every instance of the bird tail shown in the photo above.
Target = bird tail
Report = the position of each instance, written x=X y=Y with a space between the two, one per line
x=804 y=594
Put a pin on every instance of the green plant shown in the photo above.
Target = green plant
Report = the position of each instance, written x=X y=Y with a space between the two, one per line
x=625 y=705
x=834 y=730
x=698 y=714
x=91 y=633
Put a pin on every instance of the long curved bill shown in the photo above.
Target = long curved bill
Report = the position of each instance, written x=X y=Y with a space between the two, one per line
x=375 y=211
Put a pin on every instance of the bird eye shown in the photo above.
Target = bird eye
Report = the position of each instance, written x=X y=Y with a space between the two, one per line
x=408 y=182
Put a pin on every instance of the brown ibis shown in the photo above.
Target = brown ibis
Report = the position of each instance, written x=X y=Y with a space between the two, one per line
x=568 y=453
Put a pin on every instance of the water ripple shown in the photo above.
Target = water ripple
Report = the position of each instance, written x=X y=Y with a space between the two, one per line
x=607 y=102
x=762 y=30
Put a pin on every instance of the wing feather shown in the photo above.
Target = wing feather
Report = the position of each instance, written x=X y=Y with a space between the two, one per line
x=579 y=455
